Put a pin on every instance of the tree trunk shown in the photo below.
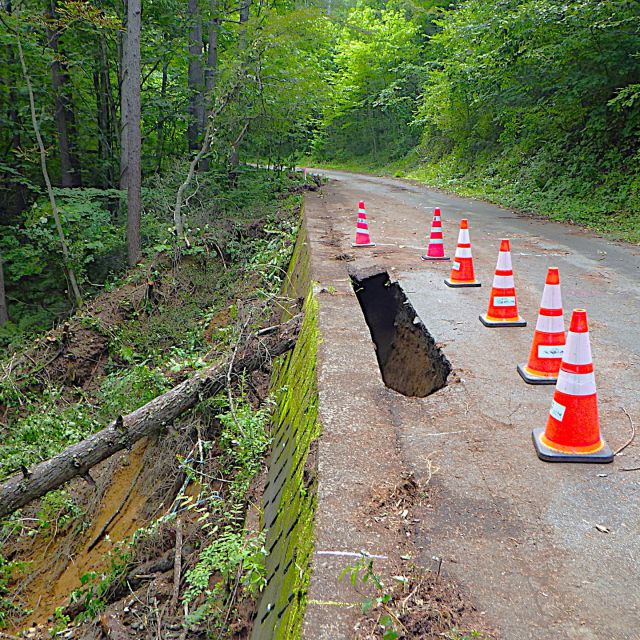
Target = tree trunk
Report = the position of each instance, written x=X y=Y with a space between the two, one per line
x=68 y=268
x=4 y=313
x=160 y=128
x=234 y=155
x=64 y=113
x=178 y=218
x=124 y=107
x=19 y=190
x=146 y=421
x=195 y=79
x=134 y=170
x=211 y=69
x=105 y=113
x=211 y=72
x=244 y=18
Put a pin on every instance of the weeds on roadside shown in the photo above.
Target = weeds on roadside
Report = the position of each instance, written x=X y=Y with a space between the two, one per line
x=362 y=573
x=411 y=606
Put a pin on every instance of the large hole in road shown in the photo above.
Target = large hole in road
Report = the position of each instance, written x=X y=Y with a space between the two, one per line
x=409 y=359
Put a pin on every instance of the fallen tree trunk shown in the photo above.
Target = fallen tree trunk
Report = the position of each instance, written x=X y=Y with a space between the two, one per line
x=146 y=421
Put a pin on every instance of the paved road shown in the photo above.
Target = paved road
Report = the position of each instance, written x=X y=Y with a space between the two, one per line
x=518 y=534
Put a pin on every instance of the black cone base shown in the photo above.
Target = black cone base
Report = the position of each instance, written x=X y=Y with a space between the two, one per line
x=490 y=323
x=527 y=377
x=604 y=456
x=459 y=285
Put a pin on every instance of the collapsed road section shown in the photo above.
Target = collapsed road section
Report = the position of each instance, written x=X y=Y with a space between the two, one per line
x=410 y=361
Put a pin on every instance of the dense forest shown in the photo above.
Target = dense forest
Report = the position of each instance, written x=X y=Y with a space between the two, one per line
x=532 y=104
x=149 y=207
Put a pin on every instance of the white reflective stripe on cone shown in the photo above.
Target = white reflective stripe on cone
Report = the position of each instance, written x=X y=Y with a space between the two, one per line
x=550 y=324
x=576 y=384
x=463 y=237
x=436 y=241
x=578 y=349
x=551 y=297
x=463 y=252
x=504 y=261
x=503 y=282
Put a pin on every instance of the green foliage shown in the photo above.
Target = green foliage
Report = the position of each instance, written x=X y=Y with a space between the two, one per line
x=10 y=571
x=56 y=510
x=33 y=260
x=121 y=393
x=243 y=440
x=61 y=622
x=454 y=634
x=47 y=430
x=233 y=557
x=94 y=586
x=535 y=105
x=362 y=574
x=376 y=80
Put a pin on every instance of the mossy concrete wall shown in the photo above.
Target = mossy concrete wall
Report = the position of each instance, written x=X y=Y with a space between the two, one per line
x=289 y=498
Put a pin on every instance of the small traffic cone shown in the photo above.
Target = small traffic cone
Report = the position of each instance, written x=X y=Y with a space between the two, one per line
x=462 y=274
x=362 y=229
x=549 y=337
x=435 y=250
x=503 y=306
x=572 y=433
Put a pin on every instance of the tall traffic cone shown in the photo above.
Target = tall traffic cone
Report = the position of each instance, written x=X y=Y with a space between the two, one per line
x=435 y=250
x=462 y=274
x=572 y=433
x=362 y=229
x=549 y=337
x=503 y=306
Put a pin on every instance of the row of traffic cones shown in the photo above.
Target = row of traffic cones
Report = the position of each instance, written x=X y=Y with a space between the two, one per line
x=572 y=432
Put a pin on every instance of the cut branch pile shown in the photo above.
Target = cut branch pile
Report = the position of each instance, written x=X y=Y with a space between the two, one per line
x=146 y=421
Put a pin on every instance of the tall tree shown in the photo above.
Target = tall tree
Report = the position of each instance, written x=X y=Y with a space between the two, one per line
x=66 y=257
x=18 y=198
x=4 y=314
x=134 y=140
x=195 y=78
x=211 y=68
x=124 y=106
x=105 y=112
x=64 y=112
x=211 y=71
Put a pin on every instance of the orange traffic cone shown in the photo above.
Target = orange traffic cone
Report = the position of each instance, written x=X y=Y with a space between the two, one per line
x=362 y=229
x=549 y=337
x=462 y=274
x=572 y=433
x=503 y=306
x=435 y=250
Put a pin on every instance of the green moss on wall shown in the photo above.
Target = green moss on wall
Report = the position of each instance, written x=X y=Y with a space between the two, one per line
x=289 y=499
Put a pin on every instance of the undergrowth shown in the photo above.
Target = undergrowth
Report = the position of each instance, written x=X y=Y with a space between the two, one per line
x=227 y=285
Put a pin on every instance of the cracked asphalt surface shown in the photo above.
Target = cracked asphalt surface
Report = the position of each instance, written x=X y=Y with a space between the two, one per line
x=517 y=534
